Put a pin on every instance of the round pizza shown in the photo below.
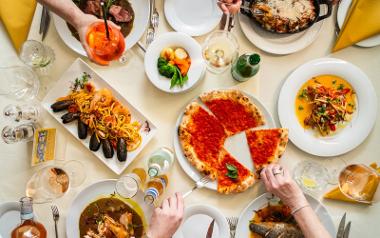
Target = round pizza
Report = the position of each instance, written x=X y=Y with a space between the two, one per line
x=205 y=127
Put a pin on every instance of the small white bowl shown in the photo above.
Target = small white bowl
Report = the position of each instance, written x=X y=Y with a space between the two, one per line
x=174 y=39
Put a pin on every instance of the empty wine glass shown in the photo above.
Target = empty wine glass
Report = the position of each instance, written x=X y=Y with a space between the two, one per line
x=19 y=83
x=37 y=55
x=219 y=50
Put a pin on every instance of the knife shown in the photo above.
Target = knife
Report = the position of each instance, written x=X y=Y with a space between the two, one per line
x=341 y=227
x=347 y=230
x=210 y=229
x=45 y=21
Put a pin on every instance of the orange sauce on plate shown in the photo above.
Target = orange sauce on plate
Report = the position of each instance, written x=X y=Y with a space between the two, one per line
x=303 y=108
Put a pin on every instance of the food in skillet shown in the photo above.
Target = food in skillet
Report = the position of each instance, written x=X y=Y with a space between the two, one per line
x=174 y=63
x=273 y=221
x=110 y=217
x=325 y=103
x=284 y=16
x=118 y=11
x=101 y=115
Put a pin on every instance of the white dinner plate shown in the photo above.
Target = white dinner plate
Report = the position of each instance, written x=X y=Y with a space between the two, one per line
x=349 y=137
x=200 y=217
x=62 y=88
x=236 y=144
x=195 y=17
x=141 y=9
x=9 y=218
x=242 y=230
x=92 y=193
x=343 y=7
x=279 y=44
x=174 y=39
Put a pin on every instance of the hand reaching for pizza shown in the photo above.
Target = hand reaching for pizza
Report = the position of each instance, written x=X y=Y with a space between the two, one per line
x=278 y=181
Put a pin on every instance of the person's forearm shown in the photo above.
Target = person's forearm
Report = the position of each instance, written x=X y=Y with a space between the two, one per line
x=310 y=224
x=65 y=9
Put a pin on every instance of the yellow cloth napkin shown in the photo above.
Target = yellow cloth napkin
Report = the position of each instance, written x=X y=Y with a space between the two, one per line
x=17 y=16
x=362 y=21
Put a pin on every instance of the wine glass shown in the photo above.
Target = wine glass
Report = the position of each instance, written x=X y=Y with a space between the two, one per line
x=360 y=182
x=20 y=83
x=52 y=182
x=219 y=50
x=37 y=55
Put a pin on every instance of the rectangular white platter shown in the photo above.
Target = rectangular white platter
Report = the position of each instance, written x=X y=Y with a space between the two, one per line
x=62 y=88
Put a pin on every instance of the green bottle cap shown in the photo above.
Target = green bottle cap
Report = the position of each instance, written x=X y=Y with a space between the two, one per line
x=254 y=59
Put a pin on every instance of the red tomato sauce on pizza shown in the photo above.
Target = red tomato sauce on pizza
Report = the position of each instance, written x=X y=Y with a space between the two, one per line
x=208 y=136
x=232 y=115
x=263 y=145
x=224 y=180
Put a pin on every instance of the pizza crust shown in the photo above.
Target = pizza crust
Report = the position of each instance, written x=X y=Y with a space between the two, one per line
x=236 y=96
x=243 y=184
x=188 y=150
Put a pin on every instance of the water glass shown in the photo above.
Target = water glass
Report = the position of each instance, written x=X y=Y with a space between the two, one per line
x=128 y=185
x=311 y=176
x=37 y=55
x=20 y=83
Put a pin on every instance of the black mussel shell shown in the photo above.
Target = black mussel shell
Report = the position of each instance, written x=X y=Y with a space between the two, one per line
x=107 y=149
x=94 y=142
x=61 y=105
x=69 y=117
x=82 y=129
x=121 y=150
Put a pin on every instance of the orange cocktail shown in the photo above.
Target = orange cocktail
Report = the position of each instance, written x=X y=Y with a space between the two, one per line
x=104 y=49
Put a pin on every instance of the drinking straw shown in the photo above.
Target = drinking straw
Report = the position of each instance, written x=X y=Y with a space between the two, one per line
x=105 y=19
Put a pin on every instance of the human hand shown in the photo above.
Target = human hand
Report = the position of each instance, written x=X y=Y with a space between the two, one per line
x=229 y=6
x=278 y=181
x=82 y=25
x=167 y=218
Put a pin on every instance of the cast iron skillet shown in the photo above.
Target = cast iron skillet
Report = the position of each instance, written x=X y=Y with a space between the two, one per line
x=317 y=4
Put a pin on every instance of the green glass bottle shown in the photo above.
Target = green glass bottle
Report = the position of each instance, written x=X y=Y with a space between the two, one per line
x=245 y=67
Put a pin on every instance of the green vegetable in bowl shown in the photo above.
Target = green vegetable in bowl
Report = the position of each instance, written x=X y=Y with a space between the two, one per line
x=171 y=71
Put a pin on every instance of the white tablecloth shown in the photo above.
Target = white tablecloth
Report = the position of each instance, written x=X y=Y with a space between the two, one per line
x=163 y=110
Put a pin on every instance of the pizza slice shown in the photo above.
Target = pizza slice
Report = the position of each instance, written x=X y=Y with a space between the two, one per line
x=233 y=177
x=233 y=109
x=266 y=146
x=202 y=136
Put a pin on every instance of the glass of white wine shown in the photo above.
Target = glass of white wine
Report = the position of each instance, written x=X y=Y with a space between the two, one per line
x=360 y=183
x=219 y=50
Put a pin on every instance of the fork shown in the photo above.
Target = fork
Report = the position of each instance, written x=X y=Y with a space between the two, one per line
x=232 y=222
x=151 y=30
x=199 y=184
x=155 y=16
x=55 y=212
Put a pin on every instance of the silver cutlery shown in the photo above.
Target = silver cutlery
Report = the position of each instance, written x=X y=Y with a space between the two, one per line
x=55 y=212
x=199 y=184
x=155 y=16
x=232 y=223
x=45 y=22
x=151 y=30
x=343 y=229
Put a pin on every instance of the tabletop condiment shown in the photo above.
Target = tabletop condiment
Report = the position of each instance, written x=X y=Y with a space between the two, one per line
x=245 y=67
x=27 y=112
x=29 y=227
x=155 y=188
x=19 y=133
x=160 y=161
